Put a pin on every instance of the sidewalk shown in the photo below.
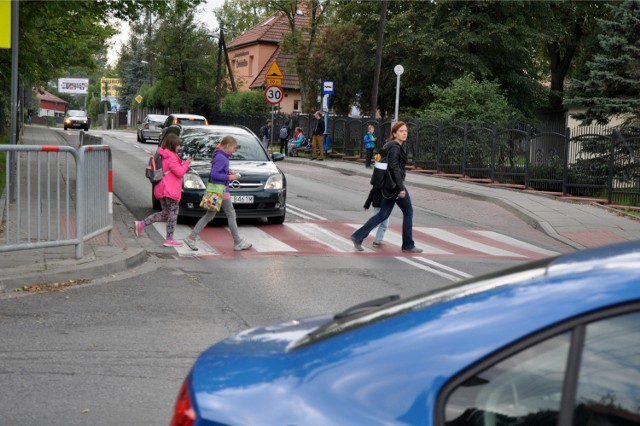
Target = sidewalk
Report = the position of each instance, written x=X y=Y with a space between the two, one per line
x=38 y=266
x=578 y=225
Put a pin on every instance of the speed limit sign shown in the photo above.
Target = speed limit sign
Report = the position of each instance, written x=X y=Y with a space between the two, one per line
x=273 y=94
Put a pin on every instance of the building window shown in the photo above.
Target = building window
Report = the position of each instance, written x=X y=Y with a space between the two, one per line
x=296 y=105
x=251 y=65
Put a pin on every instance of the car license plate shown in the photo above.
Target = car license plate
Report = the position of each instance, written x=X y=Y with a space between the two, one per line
x=242 y=199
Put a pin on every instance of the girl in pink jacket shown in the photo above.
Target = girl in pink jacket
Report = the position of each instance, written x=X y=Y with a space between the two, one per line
x=168 y=190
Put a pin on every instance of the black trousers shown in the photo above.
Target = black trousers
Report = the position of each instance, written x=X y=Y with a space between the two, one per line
x=283 y=146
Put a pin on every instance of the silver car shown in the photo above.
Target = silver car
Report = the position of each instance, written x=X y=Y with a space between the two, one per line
x=150 y=127
x=76 y=119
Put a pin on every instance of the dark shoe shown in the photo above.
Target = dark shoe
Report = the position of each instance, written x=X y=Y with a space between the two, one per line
x=377 y=244
x=357 y=244
x=412 y=250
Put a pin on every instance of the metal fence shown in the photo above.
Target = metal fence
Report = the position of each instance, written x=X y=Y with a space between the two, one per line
x=55 y=196
x=595 y=162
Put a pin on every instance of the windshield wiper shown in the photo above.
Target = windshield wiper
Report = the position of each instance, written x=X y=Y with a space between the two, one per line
x=365 y=306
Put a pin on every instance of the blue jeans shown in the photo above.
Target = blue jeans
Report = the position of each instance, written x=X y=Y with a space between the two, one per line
x=382 y=228
x=386 y=205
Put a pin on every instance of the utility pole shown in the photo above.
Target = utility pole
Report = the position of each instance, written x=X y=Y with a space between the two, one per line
x=106 y=100
x=376 y=72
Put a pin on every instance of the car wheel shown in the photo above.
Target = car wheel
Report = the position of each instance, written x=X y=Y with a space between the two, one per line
x=65 y=127
x=142 y=139
x=155 y=203
x=138 y=136
x=86 y=128
x=277 y=220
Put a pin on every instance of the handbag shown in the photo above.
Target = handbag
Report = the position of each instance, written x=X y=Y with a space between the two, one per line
x=212 y=199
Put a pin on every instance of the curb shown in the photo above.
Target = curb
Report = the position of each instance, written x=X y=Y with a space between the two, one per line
x=90 y=270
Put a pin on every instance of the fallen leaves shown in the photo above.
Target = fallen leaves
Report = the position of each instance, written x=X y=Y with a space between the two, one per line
x=51 y=287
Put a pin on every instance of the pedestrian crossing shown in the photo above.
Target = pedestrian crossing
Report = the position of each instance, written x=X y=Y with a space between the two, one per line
x=332 y=238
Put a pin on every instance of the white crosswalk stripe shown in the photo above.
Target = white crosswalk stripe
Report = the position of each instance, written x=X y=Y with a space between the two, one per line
x=458 y=240
x=323 y=236
x=181 y=232
x=516 y=243
x=395 y=238
x=412 y=261
x=263 y=242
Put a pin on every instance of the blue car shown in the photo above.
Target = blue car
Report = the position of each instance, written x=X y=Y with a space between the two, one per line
x=555 y=342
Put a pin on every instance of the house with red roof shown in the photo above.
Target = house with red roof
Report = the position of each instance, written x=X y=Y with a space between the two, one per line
x=50 y=105
x=252 y=54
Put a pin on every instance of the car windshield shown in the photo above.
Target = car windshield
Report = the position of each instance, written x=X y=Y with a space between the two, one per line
x=157 y=118
x=74 y=113
x=200 y=144
x=190 y=121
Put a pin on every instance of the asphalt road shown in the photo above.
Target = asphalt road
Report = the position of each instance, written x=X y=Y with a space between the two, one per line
x=115 y=351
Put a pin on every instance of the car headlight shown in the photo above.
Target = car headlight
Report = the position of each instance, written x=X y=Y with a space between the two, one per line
x=192 y=181
x=274 y=182
x=66 y=120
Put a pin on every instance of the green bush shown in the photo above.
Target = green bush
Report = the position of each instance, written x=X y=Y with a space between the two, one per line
x=251 y=101
x=470 y=101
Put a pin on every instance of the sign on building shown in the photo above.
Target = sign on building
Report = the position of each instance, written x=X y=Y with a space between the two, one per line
x=76 y=86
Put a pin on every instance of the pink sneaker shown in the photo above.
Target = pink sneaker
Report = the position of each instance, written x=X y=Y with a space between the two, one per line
x=170 y=242
x=138 y=226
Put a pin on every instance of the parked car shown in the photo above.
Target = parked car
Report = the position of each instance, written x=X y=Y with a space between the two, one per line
x=553 y=342
x=76 y=119
x=150 y=128
x=261 y=192
x=182 y=120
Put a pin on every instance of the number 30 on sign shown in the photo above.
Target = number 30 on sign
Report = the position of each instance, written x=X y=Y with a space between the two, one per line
x=273 y=94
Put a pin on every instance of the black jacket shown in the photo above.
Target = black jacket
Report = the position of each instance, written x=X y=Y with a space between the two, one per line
x=396 y=162
x=374 y=198
x=319 y=129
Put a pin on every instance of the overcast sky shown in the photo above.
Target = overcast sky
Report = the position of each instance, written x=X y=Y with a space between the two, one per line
x=205 y=15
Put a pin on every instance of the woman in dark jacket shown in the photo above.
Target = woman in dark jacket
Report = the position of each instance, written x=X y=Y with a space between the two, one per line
x=396 y=162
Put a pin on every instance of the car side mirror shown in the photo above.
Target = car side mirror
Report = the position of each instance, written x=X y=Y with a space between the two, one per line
x=277 y=156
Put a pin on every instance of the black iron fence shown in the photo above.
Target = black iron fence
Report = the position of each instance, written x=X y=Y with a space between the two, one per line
x=593 y=162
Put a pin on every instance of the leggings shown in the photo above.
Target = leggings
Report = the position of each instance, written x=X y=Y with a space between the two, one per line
x=227 y=206
x=169 y=213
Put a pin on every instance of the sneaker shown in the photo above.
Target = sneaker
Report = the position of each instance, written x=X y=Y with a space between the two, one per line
x=377 y=243
x=170 y=242
x=357 y=244
x=191 y=242
x=138 y=226
x=412 y=250
x=242 y=245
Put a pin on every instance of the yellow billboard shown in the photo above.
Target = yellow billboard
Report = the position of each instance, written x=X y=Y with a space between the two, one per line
x=5 y=24
x=112 y=87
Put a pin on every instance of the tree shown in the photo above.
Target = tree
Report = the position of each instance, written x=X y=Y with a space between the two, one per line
x=184 y=64
x=340 y=55
x=611 y=84
x=238 y=16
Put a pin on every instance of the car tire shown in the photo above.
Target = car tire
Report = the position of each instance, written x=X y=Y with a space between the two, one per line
x=277 y=220
x=65 y=127
x=138 y=136
x=86 y=128
x=142 y=139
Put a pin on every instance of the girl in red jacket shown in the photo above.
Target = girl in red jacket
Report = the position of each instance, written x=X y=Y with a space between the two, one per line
x=168 y=190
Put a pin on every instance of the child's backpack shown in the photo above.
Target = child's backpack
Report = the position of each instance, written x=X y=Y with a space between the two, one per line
x=154 y=171
x=284 y=132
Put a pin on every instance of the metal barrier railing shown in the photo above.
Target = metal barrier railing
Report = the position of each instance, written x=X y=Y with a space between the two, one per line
x=55 y=196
